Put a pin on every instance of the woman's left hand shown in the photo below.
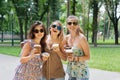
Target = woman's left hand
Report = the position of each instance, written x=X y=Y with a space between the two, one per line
x=44 y=58
x=70 y=58
x=76 y=59
x=56 y=48
x=73 y=58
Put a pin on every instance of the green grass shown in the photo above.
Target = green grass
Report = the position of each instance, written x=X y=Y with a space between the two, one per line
x=106 y=57
x=10 y=50
x=10 y=42
x=106 y=41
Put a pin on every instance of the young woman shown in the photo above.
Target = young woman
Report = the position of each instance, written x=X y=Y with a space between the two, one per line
x=30 y=60
x=53 y=68
x=77 y=68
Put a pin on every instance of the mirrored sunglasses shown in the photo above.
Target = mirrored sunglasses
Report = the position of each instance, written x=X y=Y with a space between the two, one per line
x=74 y=23
x=37 y=31
x=55 y=26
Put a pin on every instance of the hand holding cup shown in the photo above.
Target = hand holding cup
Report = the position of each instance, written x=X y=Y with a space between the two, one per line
x=37 y=49
x=55 y=47
x=70 y=58
x=45 y=56
x=69 y=52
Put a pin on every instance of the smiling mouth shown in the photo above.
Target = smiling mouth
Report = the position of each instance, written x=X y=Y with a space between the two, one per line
x=54 y=31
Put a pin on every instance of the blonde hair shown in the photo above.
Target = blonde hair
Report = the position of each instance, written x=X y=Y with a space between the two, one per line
x=79 y=30
x=61 y=34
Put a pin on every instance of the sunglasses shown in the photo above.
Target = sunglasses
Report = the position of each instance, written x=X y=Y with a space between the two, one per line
x=74 y=23
x=55 y=26
x=37 y=31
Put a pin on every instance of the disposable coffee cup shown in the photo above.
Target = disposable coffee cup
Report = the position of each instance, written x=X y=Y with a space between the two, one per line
x=38 y=48
x=21 y=44
x=55 y=45
x=69 y=52
x=45 y=55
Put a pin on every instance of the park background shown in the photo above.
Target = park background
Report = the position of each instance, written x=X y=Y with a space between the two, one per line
x=98 y=18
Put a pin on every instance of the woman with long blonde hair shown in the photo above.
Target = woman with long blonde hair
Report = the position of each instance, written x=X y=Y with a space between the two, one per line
x=53 y=68
x=77 y=68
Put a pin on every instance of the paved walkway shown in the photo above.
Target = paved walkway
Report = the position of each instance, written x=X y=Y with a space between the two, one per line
x=9 y=63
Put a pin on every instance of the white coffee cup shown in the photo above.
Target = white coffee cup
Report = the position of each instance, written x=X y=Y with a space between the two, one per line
x=69 y=52
x=45 y=54
x=55 y=45
x=38 y=48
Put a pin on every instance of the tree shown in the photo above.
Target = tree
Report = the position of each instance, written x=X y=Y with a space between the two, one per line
x=111 y=8
x=3 y=13
x=96 y=4
x=23 y=8
x=74 y=7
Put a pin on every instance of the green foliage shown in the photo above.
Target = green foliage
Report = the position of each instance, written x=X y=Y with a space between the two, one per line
x=48 y=10
x=55 y=9
x=3 y=14
x=3 y=7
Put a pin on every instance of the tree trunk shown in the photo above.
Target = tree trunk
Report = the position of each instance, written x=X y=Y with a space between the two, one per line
x=95 y=16
x=116 y=32
x=26 y=22
x=73 y=7
x=2 y=36
x=21 y=29
x=88 y=23
x=48 y=21
x=68 y=8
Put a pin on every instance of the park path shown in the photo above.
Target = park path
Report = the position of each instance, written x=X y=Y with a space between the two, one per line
x=9 y=63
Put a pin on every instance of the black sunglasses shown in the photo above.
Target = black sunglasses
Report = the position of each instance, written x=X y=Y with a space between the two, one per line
x=74 y=23
x=37 y=31
x=58 y=27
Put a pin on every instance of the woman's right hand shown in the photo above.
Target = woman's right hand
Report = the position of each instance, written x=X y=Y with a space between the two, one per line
x=73 y=58
x=70 y=58
x=32 y=55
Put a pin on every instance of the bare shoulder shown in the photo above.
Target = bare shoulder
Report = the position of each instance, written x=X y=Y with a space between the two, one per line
x=27 y=44
x=26 y=49
x=82 y=36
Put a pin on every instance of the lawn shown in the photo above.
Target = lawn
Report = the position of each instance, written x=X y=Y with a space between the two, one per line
x=106 y=58
x=102 y=57
x=9 y=50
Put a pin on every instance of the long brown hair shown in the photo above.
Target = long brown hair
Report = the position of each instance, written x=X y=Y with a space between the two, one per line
x=77 y=20
x=32 y=36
